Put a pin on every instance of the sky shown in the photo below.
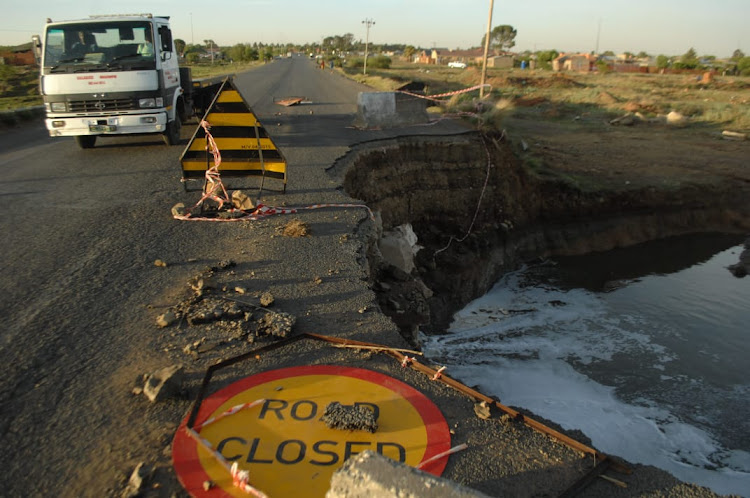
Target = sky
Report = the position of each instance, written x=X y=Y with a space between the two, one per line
x=670 y=27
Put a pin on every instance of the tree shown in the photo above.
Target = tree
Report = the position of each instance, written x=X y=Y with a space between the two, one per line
x=409 y=52
x=179 y=45
x=737 y=55
x=545 y=57
x=502 y=37
x=643 y=55
x=743 y=66
x=689 y=60
x=237 y=52
x=662 y=61
x=251 y=54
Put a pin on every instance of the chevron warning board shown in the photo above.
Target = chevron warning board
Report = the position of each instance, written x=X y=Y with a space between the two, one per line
x=245 y=147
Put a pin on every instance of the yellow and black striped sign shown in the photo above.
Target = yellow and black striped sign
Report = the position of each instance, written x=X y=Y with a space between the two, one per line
x=245 y=147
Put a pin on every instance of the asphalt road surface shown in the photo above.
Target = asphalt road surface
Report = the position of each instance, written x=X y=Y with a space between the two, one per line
x=81 y=230
x=80 y=293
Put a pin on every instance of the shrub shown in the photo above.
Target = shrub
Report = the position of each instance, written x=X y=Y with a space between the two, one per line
x=355 y=62
x=743 y=66
x=380 y=62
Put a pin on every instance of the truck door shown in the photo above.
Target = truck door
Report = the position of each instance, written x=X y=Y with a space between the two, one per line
x=170 y=71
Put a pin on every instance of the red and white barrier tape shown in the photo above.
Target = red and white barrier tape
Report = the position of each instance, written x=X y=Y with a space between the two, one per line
x=438 y=374
x=231 y=411
x=240 y=478
x=449 y=94
x=214 y=187
x=263 y=211
x=455 y=449
x=407 y=361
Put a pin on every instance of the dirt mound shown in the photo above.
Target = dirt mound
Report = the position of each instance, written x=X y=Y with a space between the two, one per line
x=642 y=107
x=296 y=228
x=557 y=80
x=529 y=101
x=607 y=98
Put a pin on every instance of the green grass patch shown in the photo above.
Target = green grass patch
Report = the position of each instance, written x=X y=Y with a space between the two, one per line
x=19 y=87
x=208 y=70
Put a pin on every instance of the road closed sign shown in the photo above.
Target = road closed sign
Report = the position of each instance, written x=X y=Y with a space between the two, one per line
x=278 y=436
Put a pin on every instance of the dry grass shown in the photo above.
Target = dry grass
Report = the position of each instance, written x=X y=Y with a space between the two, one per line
x=722 y=103
x=207 y=70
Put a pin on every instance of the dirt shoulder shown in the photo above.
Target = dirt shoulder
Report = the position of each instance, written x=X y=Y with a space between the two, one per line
x=596 y=155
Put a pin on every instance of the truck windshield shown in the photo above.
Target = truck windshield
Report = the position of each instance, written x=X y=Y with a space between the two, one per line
x=98 y=46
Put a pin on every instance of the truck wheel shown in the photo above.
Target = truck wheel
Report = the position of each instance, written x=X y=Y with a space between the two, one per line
x=86 y=141
x=172 y=135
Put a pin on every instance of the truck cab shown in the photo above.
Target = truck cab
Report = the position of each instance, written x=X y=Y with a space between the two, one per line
x=110 y=75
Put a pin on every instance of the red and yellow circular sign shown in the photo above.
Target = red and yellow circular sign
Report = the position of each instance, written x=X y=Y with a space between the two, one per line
x=283 y=444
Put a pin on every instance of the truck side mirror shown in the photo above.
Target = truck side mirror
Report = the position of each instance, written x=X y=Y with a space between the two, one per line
x=165 y=34
x=36 y=46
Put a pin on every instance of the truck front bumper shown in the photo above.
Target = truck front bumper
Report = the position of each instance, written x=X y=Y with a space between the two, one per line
x=124 y=124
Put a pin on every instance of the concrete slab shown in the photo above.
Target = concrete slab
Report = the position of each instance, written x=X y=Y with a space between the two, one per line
x=370 y=475
x=389 y=109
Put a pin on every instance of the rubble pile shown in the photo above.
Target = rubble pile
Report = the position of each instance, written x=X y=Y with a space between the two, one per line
x=350 y=418
x=223 y=315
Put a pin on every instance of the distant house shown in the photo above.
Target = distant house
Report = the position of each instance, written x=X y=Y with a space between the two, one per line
x=466 y=56
x=476 y=56
x=425 y=57
x=501 y=61
x=212 y=52
x=422 y=57
x=581 y=63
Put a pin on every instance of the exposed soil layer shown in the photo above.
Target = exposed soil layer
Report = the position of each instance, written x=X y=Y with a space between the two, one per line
x=480 y=206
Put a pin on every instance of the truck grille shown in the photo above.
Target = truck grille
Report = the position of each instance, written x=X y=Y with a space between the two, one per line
x=103 y=105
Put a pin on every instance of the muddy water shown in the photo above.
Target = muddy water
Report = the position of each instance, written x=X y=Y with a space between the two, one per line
x=646 y=350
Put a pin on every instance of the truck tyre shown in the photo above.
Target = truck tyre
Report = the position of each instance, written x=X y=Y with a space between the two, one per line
x=86 y=141
x=172 y=135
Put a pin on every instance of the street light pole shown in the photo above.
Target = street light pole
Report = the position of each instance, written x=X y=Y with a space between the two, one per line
x=367 y=22
x=486 y=50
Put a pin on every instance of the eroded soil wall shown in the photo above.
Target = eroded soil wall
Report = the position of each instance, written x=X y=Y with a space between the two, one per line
x=479 y=212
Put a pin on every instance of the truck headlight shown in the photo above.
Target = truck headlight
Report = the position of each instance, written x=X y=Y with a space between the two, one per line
x=58 y=107
x=150 y=102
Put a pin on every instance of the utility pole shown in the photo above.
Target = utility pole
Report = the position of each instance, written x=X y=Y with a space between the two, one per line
x=367 y=22
x=192 y=34
x=210 y=44
x=486 y=50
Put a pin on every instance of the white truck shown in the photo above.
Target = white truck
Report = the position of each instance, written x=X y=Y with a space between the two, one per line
x=112 y=75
